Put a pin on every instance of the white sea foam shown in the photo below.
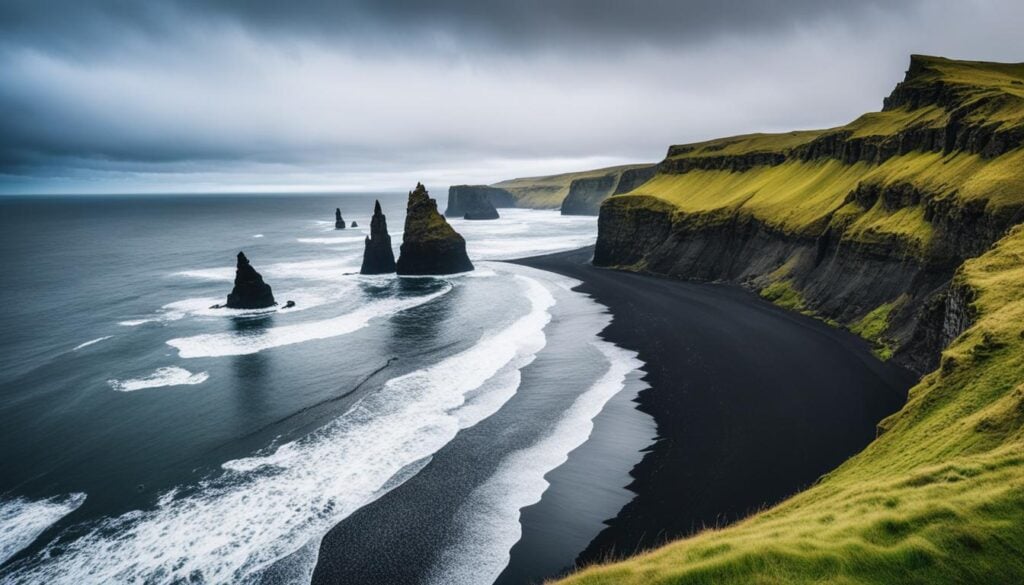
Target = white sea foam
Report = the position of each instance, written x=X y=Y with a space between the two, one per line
x=257 y=235
x=222 y=274
x=23 y=520
x=91 y=342
x=169 y=376
x=504 y=249
x=267 y=508
x=489 y=520
x=304 y=297
x=334 y=240
x=256 y=340
x=320 y=269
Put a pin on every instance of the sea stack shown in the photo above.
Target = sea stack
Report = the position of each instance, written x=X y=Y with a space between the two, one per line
x=355 y=224
x=430 y=245
x=471 y=202
x=378 y=257
x=250 y=291
x=339 y=222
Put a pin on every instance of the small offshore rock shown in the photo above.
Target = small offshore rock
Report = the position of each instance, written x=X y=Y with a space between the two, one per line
x=354 y=224
x=339 y=222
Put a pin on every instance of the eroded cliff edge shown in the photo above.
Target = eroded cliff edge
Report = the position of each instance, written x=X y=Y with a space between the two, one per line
x=863 y=225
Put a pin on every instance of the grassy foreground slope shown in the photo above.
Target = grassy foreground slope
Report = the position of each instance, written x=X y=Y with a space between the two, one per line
x=934 y=182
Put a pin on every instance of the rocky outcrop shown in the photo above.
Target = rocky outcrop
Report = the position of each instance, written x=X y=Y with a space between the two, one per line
x=339 y=222
x=477 y=201
x=429 y=244
x=378 y=257
x=355 y=224
x=250 y=291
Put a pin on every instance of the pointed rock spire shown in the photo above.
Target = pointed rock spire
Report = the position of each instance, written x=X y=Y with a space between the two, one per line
x=250 y=291
x=430 y=245
x=339 y=222
x=378 y=257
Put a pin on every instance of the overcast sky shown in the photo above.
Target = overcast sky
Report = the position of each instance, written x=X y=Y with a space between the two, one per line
x=267 y=95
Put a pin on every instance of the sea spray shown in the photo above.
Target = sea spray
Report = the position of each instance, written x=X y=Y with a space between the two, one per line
x=23 y=520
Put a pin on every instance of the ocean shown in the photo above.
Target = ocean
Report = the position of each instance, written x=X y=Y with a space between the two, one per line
x=463 y=429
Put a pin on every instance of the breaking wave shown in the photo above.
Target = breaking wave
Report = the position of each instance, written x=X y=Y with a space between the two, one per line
x=169 y=376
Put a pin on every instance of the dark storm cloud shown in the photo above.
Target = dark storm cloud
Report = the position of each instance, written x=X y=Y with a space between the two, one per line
x=522 y=25
x=118 y=93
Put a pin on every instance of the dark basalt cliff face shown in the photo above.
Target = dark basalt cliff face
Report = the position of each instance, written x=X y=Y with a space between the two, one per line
x=475 y=201
x=250 y=291
x=430 y=245
x=339 y=222
x=836 y=272
x=378 y=257
x=586 y=194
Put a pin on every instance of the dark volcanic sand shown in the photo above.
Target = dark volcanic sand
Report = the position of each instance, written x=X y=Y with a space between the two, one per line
x=752 y=402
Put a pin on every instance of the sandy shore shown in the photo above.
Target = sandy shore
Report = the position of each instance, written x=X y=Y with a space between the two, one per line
x=752 y=402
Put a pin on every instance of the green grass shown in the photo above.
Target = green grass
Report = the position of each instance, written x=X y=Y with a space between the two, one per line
x=873 y=327
x=937 y=498
x=548 y=192
x=784 y=295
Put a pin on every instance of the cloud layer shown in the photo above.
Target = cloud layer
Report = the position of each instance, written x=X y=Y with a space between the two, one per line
x=259 y=95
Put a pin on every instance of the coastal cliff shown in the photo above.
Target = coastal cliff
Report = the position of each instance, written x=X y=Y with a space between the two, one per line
x=867 y=220
x=552 y=191
x=904 y=226
x=587 y=193
x=476 y=201
x=429 y=244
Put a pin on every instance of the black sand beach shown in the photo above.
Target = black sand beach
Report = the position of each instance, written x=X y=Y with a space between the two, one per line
x=752 y=402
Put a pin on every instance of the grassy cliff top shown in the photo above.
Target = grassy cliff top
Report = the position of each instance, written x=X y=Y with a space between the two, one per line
x=993 y=92
x=744 y=144
x=805 y=194
x=549 y=191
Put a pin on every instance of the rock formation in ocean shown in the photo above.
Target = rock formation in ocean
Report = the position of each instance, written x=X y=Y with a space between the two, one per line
x=339 y=222
x=355 y=224
x=430 y=245
x=250 y=291
x=476 y=201
x=378 y=257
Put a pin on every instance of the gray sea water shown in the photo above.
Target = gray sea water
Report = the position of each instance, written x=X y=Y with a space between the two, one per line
x=145 y=437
